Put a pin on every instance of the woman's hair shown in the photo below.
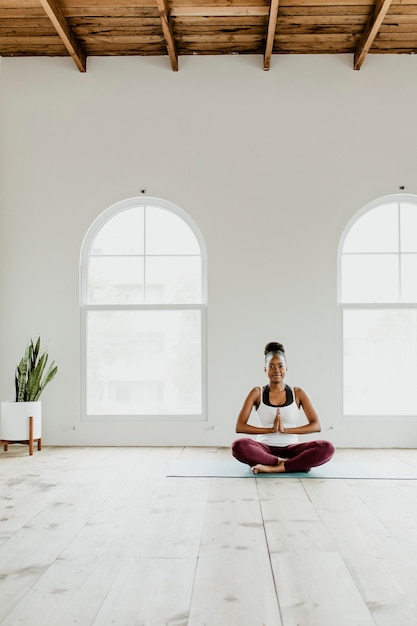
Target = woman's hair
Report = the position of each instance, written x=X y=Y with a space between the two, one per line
x=274 y=348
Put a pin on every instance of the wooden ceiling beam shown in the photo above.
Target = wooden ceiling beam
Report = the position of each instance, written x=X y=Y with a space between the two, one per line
x=61 y=25
x=168 y=34
x=272 y=25
x=371 y=30
x=218 y=11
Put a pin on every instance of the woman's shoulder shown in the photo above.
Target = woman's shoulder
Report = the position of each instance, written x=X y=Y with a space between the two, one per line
x=257 y=388
x=299 y=394
x=255 y=394
x=298 y=390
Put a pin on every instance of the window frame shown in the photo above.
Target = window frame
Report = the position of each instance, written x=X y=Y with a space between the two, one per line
x=358 y=306
x=85 y=306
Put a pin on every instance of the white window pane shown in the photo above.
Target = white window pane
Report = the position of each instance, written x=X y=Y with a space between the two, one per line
x=122 y=234
x=375 y=231
x=408 y=227
x=167 y=233
x=370 y=278
x=380 y=362
x=144 y=363
x=409 y=277
x=116 y=280
x=175 y=280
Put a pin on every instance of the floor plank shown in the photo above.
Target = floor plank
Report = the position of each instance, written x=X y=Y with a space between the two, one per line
x=371 y=552
x=306 y=561
x=234 y=582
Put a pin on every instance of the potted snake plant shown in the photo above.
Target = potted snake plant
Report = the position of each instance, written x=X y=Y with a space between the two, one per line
x=31 y=377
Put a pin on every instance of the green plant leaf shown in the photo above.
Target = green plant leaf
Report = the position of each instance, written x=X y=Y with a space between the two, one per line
x=49 y=375
x=31 y=377
x=35 y=377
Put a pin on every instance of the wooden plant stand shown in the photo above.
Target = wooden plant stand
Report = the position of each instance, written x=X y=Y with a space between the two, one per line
x=29 y=442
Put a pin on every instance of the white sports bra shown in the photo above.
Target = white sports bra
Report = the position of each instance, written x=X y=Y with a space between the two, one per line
x=289 y=413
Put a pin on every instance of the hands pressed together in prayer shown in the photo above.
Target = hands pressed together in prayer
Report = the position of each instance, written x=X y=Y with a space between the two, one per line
x=278 y=426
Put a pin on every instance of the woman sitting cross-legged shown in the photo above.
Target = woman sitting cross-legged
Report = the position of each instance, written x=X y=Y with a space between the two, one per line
x=276 y=447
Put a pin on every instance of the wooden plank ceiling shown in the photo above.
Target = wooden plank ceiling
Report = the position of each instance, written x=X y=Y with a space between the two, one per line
x=175 y=28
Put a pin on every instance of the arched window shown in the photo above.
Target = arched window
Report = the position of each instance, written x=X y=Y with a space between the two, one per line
x=143 y=300
x=378 y=297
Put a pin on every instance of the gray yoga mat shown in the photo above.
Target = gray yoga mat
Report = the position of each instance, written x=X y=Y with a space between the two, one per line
x=333 y=469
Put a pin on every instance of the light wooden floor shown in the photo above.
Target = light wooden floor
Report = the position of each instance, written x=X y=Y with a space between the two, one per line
x=100 y=536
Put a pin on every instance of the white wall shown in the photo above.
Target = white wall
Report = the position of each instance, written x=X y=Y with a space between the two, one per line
x=271 y=166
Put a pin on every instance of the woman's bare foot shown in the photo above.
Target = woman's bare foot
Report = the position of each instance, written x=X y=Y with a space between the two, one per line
x=268 y=469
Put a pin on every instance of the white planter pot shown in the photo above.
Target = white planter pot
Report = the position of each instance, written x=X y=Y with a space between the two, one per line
x=14 y=422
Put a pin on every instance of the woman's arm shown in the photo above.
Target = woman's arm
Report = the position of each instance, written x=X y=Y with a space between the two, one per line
x=313 y=422
x=242 y=425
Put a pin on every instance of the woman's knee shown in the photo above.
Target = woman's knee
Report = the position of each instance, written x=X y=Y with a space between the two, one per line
x=327 y=449
x=238 y=447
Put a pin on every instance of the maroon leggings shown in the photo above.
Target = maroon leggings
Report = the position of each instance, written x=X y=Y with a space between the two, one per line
x=300 y=457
